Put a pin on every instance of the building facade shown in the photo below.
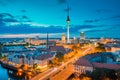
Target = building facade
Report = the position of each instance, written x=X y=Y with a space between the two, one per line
x=63 y=40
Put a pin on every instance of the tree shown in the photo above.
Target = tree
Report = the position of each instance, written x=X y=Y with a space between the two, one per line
x=0 y=55
x=27 y=44
x=74 y=47
x=100 y=47
x=84 y=77
x=60 y=56
x=118 y=74
x=1 y=45
x=103 y=74
x=50 y=63
x=35 y=66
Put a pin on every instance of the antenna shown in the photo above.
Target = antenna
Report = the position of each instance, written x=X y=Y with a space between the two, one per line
x=68 y=13
x=68 y=10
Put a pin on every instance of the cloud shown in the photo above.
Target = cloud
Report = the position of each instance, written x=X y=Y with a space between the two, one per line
x=113 y=17
x=25 y=17
x=92 y=30
x=7 y=18
x=103 y=10
x=26 y=30
x=17 y=28
x=91 y=21
x=2 y=3
x=96 y=28
x=23 y=11
x=6 y=2
x=2 y=15
x=103 y=19
x=10 y=20
x=61 y=1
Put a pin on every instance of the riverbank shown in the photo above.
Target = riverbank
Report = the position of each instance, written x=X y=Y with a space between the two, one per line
x=17 y=72
x=9 y=72
x=6 y=74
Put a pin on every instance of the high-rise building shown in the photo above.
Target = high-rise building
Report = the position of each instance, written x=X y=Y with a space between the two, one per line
x=68 y=25
x=37 y=37
x=63 y=39
x=82 y=35
x=75 y=40
x=47 y=41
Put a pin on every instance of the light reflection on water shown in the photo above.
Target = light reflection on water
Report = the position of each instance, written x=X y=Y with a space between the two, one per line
x=4 y=74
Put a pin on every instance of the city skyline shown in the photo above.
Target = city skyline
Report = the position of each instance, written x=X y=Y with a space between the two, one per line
x=96 y=18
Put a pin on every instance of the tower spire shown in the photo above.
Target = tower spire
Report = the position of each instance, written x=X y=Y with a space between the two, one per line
x=68 y=24
x=68 y=13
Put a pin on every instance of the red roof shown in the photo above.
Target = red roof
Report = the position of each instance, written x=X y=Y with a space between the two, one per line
x=57 y=49
x=105 y=65
x=44 y=56
x=52 y=41
x=89 y=56
x=83 y=62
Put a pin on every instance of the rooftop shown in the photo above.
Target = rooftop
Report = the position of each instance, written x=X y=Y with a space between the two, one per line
x=83 y=62
x=105 y=65
x=57 y=49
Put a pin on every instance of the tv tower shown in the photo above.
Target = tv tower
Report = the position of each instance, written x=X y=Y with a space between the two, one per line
x=68 y=25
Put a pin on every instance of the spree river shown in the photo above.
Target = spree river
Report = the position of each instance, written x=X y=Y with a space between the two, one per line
x=4 y=74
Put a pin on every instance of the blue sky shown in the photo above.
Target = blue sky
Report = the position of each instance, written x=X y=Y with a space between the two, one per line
x=29 y=18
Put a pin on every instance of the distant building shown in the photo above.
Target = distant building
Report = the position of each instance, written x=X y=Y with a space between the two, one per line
x=112 y=46
x=75 y=40
x=63 y=39
x=35 y=41
x=82 y=36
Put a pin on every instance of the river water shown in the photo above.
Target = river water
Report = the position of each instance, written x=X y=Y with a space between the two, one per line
x=4 y=74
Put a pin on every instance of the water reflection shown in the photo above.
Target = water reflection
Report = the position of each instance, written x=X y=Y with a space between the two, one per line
x=8 y=75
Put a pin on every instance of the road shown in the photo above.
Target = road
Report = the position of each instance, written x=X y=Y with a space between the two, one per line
x=63 y=74
x=53 y=71
x=45 y=76
x=42 y=74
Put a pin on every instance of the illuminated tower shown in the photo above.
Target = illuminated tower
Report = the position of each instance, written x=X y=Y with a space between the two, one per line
x=68 y=25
